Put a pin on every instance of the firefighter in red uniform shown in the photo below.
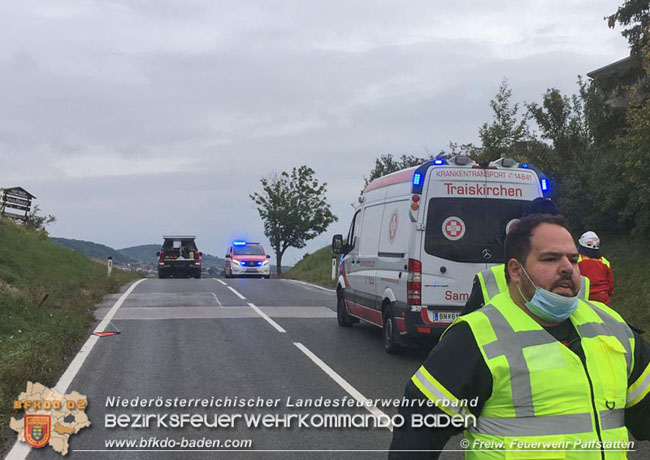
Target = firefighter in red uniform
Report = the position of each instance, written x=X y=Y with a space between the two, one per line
x=595 y=267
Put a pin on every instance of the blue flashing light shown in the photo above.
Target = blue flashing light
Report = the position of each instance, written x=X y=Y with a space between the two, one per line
x=239 y=243
x=544 y=184
x=417 y=177
x=439 y=161
x=524 y=165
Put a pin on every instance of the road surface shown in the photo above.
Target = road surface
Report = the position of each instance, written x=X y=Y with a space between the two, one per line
x=274 y=343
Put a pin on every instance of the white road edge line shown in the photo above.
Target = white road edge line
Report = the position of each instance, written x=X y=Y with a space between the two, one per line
x=217 y=279
x=313 y=285
x=342 y=382
x=20 y=450
x=266 y=317
x=237 y=293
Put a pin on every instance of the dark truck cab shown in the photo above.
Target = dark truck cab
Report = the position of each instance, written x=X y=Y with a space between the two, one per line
x=179 y=257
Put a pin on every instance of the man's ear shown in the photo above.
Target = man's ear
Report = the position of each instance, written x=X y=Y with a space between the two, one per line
x=514 y=270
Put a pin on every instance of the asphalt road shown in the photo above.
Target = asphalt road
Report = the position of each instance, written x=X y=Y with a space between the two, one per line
x=231 y=340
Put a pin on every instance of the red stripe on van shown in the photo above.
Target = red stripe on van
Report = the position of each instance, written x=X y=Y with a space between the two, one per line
x=365 y=313
x=396 y=178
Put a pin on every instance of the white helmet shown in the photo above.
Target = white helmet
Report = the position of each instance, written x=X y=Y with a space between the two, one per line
x=589 y=240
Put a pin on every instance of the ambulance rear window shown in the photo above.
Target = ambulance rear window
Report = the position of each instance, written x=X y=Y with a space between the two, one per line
x=469 y=230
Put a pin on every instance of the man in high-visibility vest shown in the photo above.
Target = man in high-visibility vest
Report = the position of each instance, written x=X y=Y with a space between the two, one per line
x=490 y=282
x=596 y=267
x=536 y=373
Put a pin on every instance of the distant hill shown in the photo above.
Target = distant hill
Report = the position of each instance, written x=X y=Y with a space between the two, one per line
x=93 y=250
x=145 y=252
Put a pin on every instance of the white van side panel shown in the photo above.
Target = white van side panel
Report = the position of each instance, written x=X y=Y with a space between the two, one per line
x=369 y=237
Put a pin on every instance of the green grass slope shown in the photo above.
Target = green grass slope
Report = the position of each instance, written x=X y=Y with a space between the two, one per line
x=47 y=298
x=315 y=268
x=630 y=260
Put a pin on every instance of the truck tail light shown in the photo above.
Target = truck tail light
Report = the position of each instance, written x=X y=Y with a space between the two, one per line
x=414 y=283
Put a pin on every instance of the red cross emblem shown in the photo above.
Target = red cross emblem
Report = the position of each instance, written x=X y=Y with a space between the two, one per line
x=453 y=228
x=392 y=228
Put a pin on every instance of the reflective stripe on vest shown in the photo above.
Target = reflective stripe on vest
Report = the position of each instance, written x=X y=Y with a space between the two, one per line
x=489 y=284
x=433 y=390
x=534 y=426
x=639 y=389
x=583 y=293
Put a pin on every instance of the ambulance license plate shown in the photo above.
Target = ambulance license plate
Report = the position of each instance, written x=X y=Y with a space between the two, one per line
x=251 y=270
x=445 y=316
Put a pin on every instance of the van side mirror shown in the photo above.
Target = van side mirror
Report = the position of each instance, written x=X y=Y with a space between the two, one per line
x=268 y=256
x=337 y=244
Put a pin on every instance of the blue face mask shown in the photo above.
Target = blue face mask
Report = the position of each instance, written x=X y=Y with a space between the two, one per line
x=548 y=306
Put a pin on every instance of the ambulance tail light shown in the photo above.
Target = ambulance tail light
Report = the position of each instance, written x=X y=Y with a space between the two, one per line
x=414 y=283
x=415 y=202
x=161 y=257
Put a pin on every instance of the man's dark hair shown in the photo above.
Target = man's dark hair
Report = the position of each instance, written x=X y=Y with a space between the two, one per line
x=517 y=244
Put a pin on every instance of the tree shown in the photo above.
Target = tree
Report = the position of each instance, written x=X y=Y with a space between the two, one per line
x=635 y=16
x=293 y=208
x=386 y=164
x=500 y=137
x=37 y=223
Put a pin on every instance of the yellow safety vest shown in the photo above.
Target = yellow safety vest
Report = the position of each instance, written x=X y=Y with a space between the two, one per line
x=493 y=282
x=541 y=404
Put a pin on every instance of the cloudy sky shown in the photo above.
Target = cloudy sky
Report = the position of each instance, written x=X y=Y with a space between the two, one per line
x=131 y=119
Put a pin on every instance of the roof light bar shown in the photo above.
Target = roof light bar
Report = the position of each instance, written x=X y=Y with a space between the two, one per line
x=239 y=243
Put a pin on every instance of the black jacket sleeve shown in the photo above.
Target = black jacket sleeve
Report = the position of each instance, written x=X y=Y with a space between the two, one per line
x=637 y=417
x=456 y=363
x=475 y=300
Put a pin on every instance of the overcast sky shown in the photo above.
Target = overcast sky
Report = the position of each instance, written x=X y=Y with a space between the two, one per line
x=133 y=119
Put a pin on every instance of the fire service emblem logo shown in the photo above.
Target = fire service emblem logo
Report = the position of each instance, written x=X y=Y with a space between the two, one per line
x=37 y=430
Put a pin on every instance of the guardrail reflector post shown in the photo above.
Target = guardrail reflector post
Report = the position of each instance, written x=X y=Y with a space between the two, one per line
x=110 y=266
x=333 y=268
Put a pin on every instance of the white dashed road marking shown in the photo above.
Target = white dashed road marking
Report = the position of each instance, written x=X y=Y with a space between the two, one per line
x=342 y=382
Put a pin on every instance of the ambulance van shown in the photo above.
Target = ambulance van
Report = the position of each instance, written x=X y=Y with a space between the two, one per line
x=418 y=237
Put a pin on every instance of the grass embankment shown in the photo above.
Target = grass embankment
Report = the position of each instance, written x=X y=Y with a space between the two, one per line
x=315 y=268
x=630 y=260
x=47 y=298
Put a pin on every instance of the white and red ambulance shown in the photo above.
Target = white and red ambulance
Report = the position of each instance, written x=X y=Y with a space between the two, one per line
x=245 y=259
x=418 y=237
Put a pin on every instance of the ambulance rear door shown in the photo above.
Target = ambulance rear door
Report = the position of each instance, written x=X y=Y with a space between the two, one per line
x=467 y=212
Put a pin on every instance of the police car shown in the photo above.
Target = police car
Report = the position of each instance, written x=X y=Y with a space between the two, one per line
x=247 y=259
x=418 y=237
